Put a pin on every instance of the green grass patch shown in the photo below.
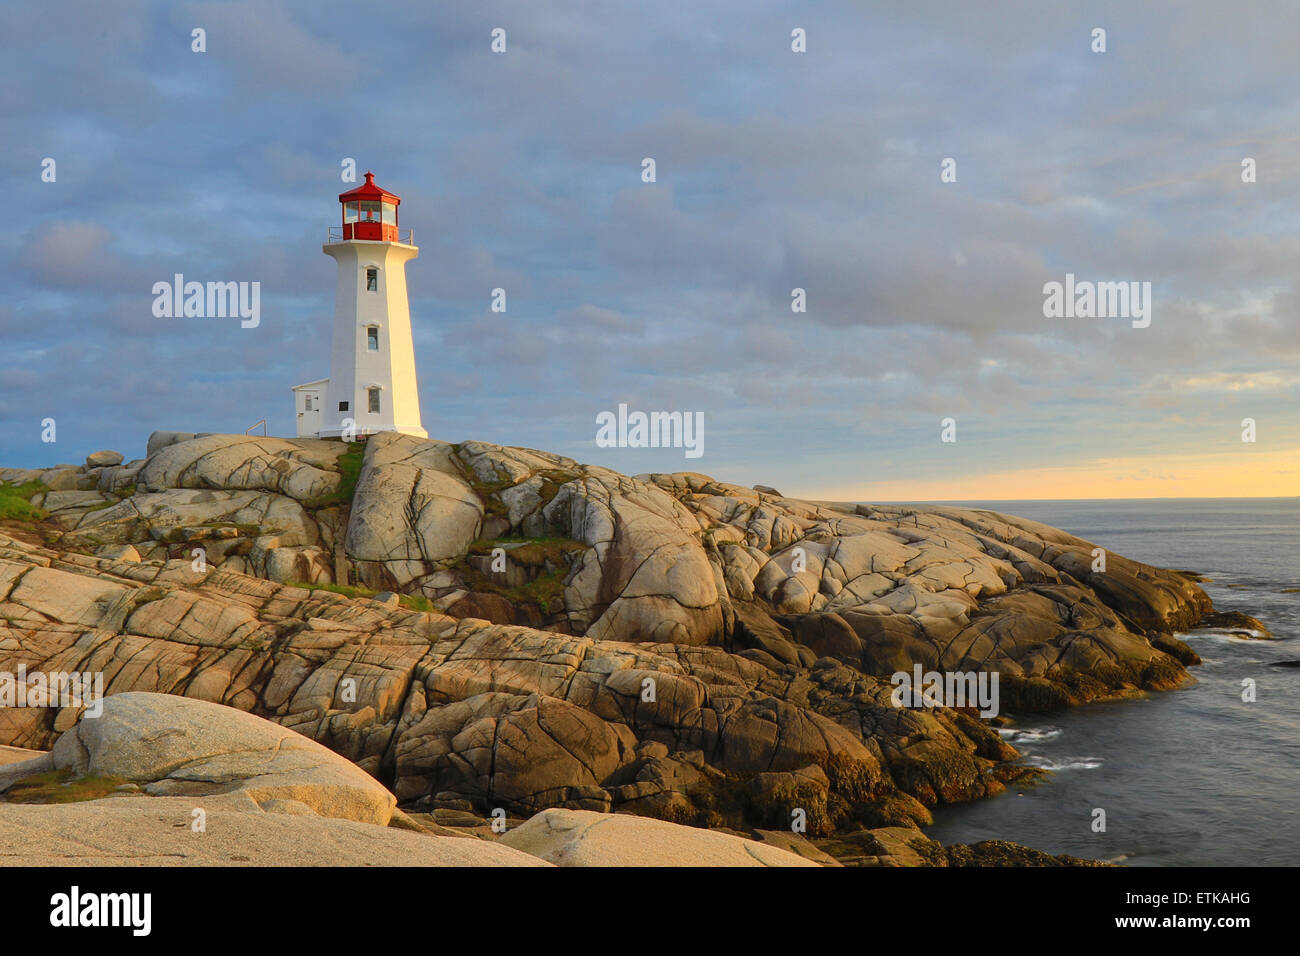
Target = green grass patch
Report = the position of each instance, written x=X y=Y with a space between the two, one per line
x=15 y=503
x=484 y=488
x=349 y=471
x=60 y=786
x=545 y=591
x=551 y=558
x=531 y=552
x=350 y=461
x=487 y=490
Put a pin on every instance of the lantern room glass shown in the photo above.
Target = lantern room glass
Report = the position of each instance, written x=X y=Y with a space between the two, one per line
x=371 y=219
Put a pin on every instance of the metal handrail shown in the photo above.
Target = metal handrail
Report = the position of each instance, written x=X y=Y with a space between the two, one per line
x=254 y=425
x=335 y=234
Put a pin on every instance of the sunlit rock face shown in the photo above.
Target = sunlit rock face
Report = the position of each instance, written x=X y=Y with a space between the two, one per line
x=522 y=631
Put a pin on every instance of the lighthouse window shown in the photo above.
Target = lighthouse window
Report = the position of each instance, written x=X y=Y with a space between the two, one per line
x=350 y=212
x=390 y=214
x=372 y=339
x=374 y=399
x=369 y=210
x=372 y=280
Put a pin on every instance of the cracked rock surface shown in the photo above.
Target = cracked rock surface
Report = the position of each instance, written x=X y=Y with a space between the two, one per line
x=551 y=634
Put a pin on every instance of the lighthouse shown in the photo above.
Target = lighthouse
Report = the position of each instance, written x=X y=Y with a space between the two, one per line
x=372 y=386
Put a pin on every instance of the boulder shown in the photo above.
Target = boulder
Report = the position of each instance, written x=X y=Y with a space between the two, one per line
x=20 y=476
x=584 y=838
x=160 y=440
x=145 y=517
x=646 y=578
x=175 y=745
x=303 y=469
x=410 y=507
x=101 y=459
x=521 y=753
x=61 y=478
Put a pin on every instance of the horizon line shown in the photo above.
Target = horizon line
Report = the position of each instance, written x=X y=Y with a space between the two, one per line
x=939 y=501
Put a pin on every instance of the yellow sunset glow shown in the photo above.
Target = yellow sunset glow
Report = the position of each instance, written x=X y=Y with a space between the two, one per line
x=1247 y=474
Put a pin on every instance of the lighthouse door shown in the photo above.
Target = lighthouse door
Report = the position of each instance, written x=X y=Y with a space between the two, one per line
x=309 y=413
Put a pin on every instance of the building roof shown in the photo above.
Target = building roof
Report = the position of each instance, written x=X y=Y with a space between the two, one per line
x=368 y=190
x=319 y=381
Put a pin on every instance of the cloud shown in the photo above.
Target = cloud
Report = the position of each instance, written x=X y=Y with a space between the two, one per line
x=600 y=320
x=775 y=170
x=268 y=48
x=64 y=254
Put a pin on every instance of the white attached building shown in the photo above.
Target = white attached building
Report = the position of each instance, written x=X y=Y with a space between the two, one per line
x=308 y=402
x=372 y=386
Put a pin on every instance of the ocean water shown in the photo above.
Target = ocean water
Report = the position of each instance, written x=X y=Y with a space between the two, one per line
x=1190 y=777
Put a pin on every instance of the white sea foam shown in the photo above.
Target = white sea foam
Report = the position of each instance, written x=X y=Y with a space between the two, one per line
x=1233 y=636
x=1028 y=735
x=1065 y=763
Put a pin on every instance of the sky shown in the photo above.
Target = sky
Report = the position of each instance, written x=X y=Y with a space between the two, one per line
x=774 y=170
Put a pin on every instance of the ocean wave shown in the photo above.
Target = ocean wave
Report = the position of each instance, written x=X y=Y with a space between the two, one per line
x=1065 y=763
x=1237 y=634
x=1028 y=735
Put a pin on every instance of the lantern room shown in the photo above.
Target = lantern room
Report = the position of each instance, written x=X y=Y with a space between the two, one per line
x=370 y=212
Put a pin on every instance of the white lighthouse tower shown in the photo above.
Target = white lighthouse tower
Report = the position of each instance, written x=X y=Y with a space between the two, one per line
x=372 y=385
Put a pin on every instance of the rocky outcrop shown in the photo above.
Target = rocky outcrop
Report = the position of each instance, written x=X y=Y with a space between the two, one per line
x=470 y=714
x=1237 y=624
x=558 y=635
x=155 y=779
x=169 y=745
x=524 y=537
x=157 y=831
x=903 y=846
x=583 y=838
x=265 y=506
x=305 y=470
x=412 y=510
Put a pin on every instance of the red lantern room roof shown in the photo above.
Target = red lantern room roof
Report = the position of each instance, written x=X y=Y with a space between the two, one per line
x=369 y=191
